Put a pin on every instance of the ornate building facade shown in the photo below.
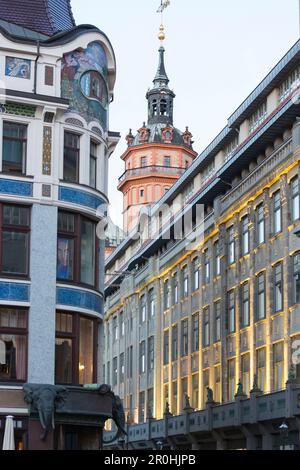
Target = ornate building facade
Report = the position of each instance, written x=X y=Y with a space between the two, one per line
x=202 y=338
x=157 y=156
x=57 y=81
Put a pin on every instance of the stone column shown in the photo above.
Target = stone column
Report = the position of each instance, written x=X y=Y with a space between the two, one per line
x=41 y=344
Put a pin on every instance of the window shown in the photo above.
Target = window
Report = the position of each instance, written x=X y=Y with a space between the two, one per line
x=167 y=161
x=208 y=172
x=245 y=305
x=195 y=391
x=166 y=347
x=246 y=373
x=205 y=384
x=245 y=235
x=151 y=353
x=217 y=322
x=231 y=245
x=261 y=297
x=14 y=148
x=289 y=84
x=206 y=267
x=217 y=382
x=174 y=343
x=196 y=283
x=217 y=258
x=142 y=367
x=130 y=362
x=277 y=212
x=15 y=240
x=278 y=287
x=184 y=338
x=76 y=240
x=184 y=392
x=13 y=344
x=206 y=327
x=152 y=303
x=260 y=221
x=231 y=312
x=230 y=148
x=278 y=366
x=74 y=349
x=94 y=86
x=295 y=199
x=261 y=368
x=108 y=378
x=115 y=329
x=258 y=117
x=195 y=332
x=71 y=157
x=174 y=401
x=150 y=402
x=166 y=295
x=175 y=288
x=122 y=324
x=93 y=164
x=143 y=162
x=185 y=281
x=122 y=368
x=296 y=278
x=142 y=309
x=141 y=407
x=142 y=192
x=231 y=379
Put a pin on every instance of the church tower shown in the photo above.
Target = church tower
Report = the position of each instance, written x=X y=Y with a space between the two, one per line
x=158 y=154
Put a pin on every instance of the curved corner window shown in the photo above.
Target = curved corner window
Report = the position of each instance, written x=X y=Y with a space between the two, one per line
x=94 y=86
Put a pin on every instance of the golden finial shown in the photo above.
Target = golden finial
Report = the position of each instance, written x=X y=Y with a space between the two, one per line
x=161 y=34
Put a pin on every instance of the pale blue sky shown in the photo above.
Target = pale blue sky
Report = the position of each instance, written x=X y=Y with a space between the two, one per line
x=217 y=51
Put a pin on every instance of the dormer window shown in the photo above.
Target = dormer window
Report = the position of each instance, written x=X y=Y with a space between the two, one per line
x=258 y=117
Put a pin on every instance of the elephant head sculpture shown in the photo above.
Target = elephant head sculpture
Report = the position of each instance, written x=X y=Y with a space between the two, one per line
x=44 y=400
x=118 y=414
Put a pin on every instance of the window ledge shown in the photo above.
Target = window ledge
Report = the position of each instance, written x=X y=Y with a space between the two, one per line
x=275 y=237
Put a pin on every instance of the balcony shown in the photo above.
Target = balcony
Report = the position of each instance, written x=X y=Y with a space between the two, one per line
x=153 y=169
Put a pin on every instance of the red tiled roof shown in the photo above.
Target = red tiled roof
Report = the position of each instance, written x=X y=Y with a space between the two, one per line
x=43 y=16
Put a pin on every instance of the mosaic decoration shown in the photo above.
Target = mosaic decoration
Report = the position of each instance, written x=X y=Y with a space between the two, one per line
x=47 y=150
x=18 y=68
x=77 y=196
x=84 y=83
x=18 y=109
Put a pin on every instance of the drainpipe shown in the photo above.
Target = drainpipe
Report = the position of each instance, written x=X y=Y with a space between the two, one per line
x=35 y=67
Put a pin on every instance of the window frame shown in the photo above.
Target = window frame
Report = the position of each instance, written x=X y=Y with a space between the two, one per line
x=94 y=158
x=278 y=284
x=76 y=237
x=277 y=208
x=260 y=220
x=295 y=196
x=77 y=151
x=25 y=151
x=6 y=330
x=260 y=291
x=75 y=337
x=26 y=229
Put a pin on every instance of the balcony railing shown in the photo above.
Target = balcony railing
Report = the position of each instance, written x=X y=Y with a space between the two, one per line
x=157 y=169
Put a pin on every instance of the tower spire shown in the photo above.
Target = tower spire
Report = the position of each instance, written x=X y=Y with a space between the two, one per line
x=161 y=78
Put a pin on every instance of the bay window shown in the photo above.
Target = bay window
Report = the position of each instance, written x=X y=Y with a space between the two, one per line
x=14 y=148
x=13 y=344
x=76 y=241
x=75 y=345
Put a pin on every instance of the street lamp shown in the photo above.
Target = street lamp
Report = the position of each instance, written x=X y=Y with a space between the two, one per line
x=284 y=433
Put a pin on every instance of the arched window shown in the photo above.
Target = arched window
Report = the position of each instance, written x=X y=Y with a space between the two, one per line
x=163 y=107
x=94 y=86
x=154 y=108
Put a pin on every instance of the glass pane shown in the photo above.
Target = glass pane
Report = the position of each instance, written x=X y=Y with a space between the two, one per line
x=63 y=361
x=13 y=318
x=14 y=147
x=87 y=271
x=86 y=351
x=13 y=350
x=66 y=222
x=71 y=165
x=15 y=215
x=64 y=322
x=65 y=258
x=93 y=164
x=14 y=252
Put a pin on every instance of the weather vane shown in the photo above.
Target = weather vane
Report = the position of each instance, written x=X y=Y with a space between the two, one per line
x=163 y=5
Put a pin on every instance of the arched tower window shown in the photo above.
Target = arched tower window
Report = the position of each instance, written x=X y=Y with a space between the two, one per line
x=163 y=107
x=154 y=108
